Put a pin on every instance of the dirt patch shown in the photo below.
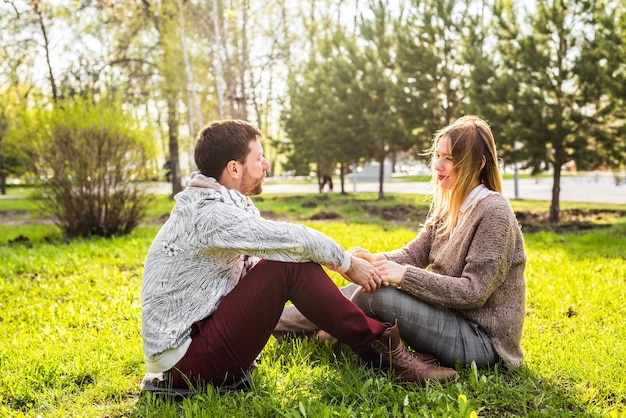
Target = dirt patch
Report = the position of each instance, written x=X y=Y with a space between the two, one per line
x=325 y=215
x=571 y=220
x=20 y=240
x=395 y=213
x=22 y=217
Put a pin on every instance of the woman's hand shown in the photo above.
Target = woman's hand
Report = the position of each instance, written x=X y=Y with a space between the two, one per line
x=390 y=272
x=365 y=255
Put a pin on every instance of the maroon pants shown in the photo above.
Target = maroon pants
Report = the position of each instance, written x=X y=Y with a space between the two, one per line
x=226 y=343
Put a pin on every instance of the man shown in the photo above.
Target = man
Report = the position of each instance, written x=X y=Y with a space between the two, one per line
x=217 y=276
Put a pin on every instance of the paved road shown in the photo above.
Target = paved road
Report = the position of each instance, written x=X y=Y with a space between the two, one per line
x=599 y=188
x=586 y=189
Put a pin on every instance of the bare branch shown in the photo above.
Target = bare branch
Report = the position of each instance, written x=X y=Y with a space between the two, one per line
x=17 y=12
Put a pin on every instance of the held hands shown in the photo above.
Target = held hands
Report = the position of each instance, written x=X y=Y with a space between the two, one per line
x=364 y=274
x=390 y=272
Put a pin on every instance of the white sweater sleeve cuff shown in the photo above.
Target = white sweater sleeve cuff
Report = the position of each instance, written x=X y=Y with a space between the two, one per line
x=345 y=266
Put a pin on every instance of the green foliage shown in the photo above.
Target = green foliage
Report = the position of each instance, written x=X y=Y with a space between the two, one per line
x=441 y=56
x=14 y=161
x=556 y=81
x=71 y=345
x=549 y=79
x=324 y=120
x=91 y=157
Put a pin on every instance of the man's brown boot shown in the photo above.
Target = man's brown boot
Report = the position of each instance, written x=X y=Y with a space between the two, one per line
x=407 y=366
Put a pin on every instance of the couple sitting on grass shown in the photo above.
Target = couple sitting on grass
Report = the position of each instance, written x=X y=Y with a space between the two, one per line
x=218 y=275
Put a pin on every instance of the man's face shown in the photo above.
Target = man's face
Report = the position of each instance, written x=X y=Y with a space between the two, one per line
x=254 y=170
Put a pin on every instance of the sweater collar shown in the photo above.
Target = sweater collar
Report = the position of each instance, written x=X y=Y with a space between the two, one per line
x=477 y=194
x=216 y=191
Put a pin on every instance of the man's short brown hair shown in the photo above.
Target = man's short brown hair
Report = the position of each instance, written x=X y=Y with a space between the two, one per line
x=222 y=141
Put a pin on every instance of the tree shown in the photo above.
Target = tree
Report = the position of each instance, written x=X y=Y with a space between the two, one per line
x=343 y=109
x=326 y=120
x=379 y=81
x=559 y=95
x=442 y=57
x=607 y=133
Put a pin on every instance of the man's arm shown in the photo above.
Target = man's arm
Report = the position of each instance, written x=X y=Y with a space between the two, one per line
x=228 y=228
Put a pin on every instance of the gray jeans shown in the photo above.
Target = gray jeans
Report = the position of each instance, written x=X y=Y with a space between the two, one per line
x=423 y=327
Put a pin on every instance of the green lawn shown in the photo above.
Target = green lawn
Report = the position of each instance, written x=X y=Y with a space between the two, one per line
x=70 y=342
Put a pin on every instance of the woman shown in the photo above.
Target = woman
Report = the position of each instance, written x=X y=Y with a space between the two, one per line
x=458 y=288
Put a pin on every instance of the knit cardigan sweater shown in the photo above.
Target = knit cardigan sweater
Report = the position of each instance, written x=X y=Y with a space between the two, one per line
x=213 y=237
x=478 y=272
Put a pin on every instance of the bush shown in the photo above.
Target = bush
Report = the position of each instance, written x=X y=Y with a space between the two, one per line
x=91 y=157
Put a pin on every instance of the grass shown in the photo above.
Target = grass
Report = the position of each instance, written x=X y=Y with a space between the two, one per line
x=70 y=316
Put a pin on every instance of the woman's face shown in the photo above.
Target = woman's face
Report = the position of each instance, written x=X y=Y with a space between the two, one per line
x=444 y=166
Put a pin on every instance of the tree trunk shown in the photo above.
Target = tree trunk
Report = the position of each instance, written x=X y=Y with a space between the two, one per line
x=342 y=177
x=172 y=125
x=242 y=99
x=381 y=171
x=219 y=70
x=556 y=192
x=193 y=103
x=319 y=176
x=3 y=176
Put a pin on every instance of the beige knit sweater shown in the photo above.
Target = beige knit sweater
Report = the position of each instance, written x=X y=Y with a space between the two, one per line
x=478 y=273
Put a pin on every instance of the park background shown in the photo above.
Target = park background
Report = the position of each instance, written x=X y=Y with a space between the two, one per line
x=100 y=100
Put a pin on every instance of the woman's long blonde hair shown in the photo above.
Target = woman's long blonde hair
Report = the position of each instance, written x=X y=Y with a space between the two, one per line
x=471 y=140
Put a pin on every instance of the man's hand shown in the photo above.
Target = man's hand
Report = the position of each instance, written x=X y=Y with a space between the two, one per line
x=364 y=274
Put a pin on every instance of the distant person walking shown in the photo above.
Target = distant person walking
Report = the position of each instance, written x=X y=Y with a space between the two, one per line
x=324 y=177
x=326 y=180
x=168 y=170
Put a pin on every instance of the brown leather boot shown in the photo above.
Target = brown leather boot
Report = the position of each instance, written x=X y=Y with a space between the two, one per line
x=407 y=366
x=425 y=357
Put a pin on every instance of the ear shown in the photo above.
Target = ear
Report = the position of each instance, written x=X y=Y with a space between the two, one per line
x=233 y=170
x=483 y=163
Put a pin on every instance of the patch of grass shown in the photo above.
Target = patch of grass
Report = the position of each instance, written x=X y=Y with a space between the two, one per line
x=159 y=208
x=28 y=233
x=538 y=206
x=19 y=203
x=395 y=209
x=574 y=334
x=69 y=326
x=70 y=342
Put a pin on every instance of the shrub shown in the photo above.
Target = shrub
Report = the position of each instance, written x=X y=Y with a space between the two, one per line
x=91 y=157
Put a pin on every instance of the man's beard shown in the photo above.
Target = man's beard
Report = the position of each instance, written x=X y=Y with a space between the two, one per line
x=251 y=186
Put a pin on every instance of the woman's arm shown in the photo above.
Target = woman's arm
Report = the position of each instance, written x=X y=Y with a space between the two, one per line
x=486 y=259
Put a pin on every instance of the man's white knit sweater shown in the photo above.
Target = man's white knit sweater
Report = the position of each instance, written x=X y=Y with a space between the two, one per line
x=213 y=237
